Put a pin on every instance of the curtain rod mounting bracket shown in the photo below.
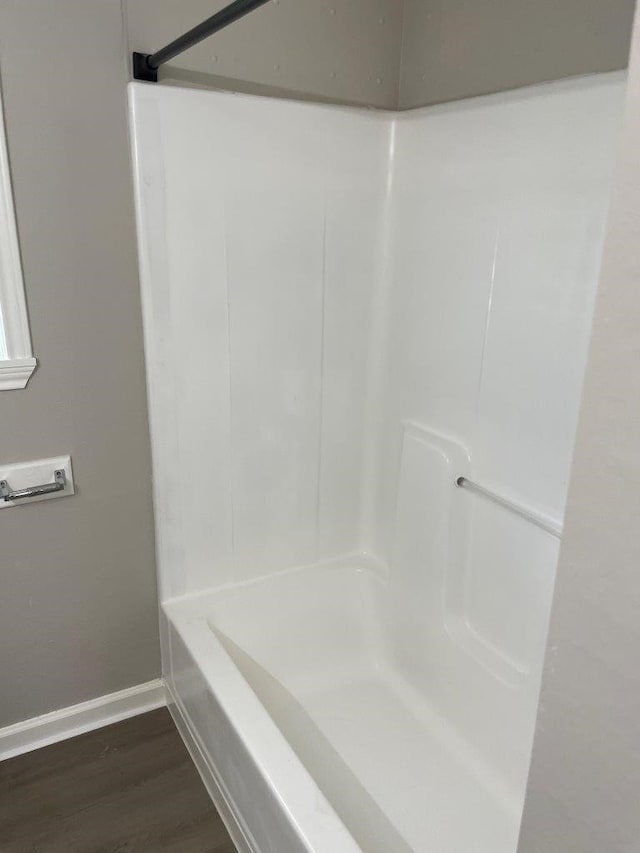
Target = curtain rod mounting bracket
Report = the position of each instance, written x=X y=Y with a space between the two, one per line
x=141 y=68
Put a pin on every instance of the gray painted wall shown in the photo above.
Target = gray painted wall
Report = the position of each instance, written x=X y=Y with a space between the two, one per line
x=77 y=606
x=387 y=53
x=584 y=784
x=455 y=48
x=326 y=49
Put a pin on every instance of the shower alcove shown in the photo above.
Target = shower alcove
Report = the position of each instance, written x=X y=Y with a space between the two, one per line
x=346 y=311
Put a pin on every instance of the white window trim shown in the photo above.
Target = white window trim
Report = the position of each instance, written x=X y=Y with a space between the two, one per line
x=16 y=369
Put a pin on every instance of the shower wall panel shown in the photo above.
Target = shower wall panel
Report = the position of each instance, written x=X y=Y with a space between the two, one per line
x=497 y=219
x=259 y=222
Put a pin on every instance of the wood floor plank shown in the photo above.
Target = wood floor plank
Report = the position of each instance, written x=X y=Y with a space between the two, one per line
x=127 y=788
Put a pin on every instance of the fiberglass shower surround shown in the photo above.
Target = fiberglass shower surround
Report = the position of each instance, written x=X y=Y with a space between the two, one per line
x=344 y=312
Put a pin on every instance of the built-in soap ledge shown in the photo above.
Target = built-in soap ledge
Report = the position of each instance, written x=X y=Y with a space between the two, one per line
x=40 y=480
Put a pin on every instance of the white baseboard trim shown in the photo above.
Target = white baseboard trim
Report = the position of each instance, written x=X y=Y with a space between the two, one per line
x=237 y=832
x=76 y=719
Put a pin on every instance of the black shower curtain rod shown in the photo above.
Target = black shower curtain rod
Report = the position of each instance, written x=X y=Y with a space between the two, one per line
x=145 y=65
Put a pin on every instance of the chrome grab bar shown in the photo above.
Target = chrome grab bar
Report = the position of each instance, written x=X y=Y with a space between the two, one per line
x=59 y=485
x=540 y=521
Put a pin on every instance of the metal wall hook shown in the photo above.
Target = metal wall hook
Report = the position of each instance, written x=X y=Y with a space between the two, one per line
x=59 y=485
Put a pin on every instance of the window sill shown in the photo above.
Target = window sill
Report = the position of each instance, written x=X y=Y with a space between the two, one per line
x=15 y=373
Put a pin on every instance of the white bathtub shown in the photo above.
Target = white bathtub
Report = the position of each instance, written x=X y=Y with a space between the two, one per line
x=316 y=740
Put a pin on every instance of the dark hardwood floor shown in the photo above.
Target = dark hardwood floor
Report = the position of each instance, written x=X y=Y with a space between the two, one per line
x=126 y=788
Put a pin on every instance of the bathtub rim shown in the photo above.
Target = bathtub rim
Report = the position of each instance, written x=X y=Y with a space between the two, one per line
x=304 y=808
x=219 y=796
